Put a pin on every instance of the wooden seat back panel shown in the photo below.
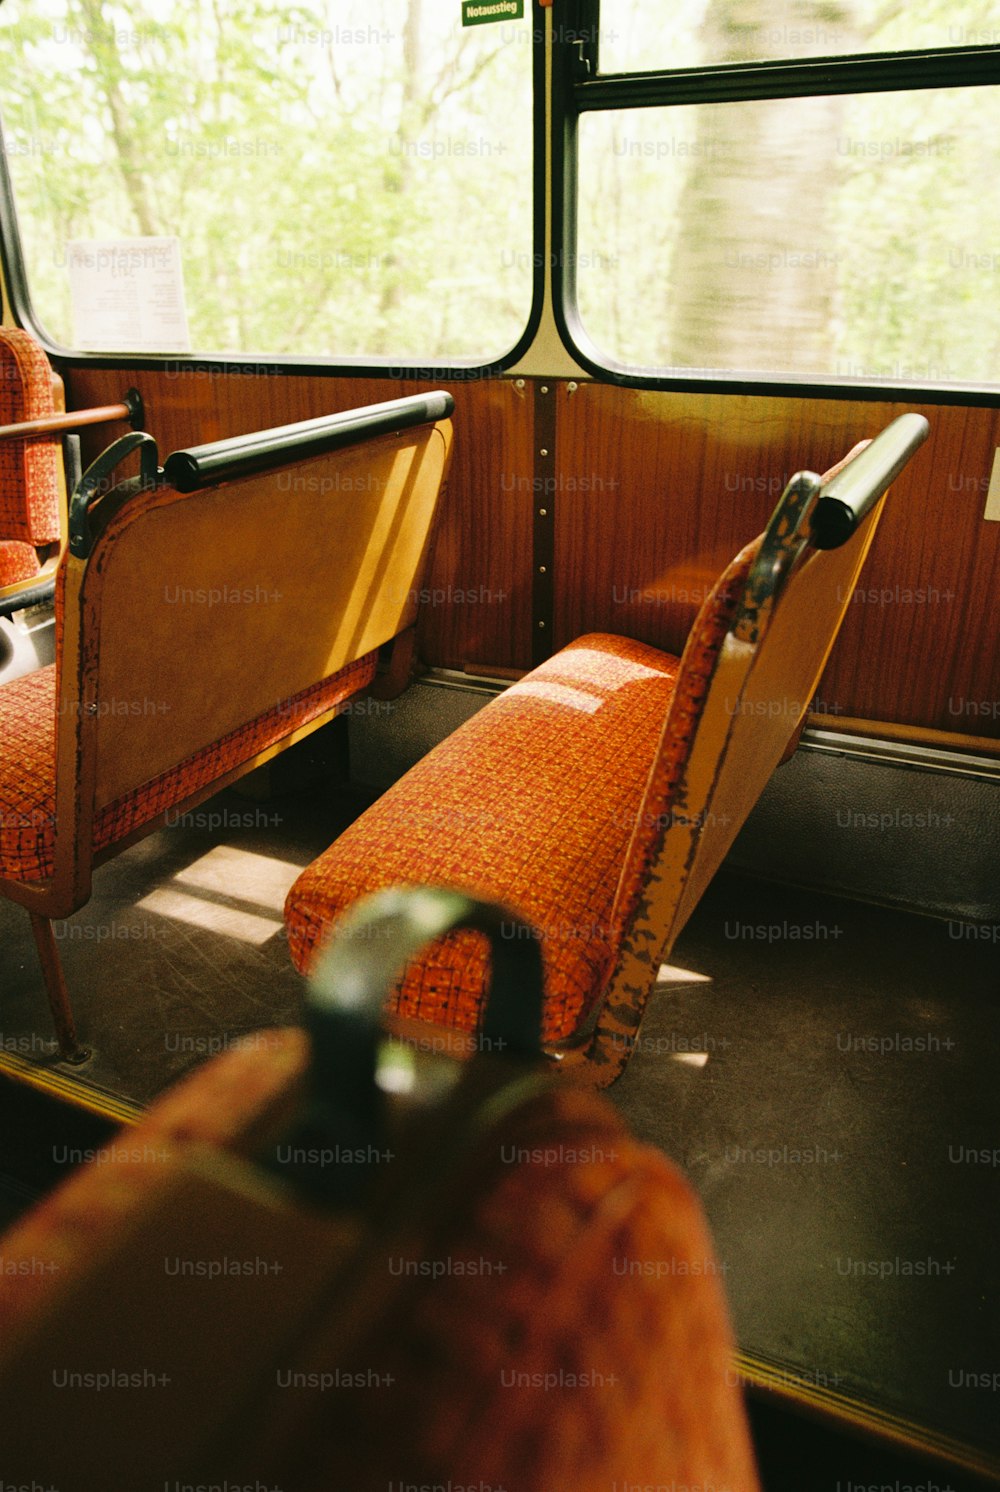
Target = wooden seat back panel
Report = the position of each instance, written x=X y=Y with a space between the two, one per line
x=757 y=699
x=202 y=611
x=756 y=696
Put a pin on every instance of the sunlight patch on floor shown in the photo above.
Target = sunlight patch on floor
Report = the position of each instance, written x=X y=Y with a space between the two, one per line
x=212 y=916
x=202 y=893
x=262 y=879
x=673 y=974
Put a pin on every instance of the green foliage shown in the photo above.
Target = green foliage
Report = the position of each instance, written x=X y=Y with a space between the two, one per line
x=353 y=178
x=919 y=230
x=893 y=199
x=332 y=196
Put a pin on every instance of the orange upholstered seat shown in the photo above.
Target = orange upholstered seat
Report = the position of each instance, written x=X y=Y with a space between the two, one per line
x=30 y=469
x=203 y=627
x=541 y=796
x=658 y=1343
x=598 y=795
x=17 y=562
x=546 y=755
x=28 y=772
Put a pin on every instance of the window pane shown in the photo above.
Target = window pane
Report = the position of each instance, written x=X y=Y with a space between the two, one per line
x=351 y=178
x=636 y=36
x=845 y=237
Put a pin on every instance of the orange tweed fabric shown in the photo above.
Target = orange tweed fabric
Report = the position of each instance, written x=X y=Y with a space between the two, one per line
x=28 y=708
x=581 y=1344
x=538 y=802
x=18 y=561
x=29 y=481
x=580 y=1340
x=218 y=1105
x=531 y=802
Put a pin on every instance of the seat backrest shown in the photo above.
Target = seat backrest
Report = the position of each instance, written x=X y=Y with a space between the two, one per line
x=747 y=676
x=31 y=472
x=192 y=614
x=595 y=1271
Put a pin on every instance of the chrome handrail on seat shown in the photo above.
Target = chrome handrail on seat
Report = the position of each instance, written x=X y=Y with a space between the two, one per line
x=244 y=455
x=844 y=500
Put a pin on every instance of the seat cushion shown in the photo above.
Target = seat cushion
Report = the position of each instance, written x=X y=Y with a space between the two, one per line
x=27 y=775
x=532 y=802
x=28 y=708
x=18 y=561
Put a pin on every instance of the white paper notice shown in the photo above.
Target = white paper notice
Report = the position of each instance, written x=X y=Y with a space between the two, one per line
x=128 y=295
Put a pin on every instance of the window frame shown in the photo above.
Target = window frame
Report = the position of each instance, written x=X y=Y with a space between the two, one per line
x=579 y=88
x=19 y=302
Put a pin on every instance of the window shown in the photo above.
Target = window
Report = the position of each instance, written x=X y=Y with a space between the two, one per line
x=796 y=191
x=636 y=37
x=347 y=179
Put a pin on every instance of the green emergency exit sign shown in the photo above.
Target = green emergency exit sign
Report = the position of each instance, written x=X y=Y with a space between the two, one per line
x=482 y=12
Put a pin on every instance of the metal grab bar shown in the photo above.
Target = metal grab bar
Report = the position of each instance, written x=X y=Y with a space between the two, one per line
x=243 y=455
x=96 y=483
x=74 y=419
x=843 y=501
x=376 y=939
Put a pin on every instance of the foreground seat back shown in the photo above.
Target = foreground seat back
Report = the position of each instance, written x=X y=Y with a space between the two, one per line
x=32 y=487
x=418 y=1302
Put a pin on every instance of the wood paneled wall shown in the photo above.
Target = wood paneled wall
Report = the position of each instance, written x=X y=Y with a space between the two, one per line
x=652 y=493
x=690 y=477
